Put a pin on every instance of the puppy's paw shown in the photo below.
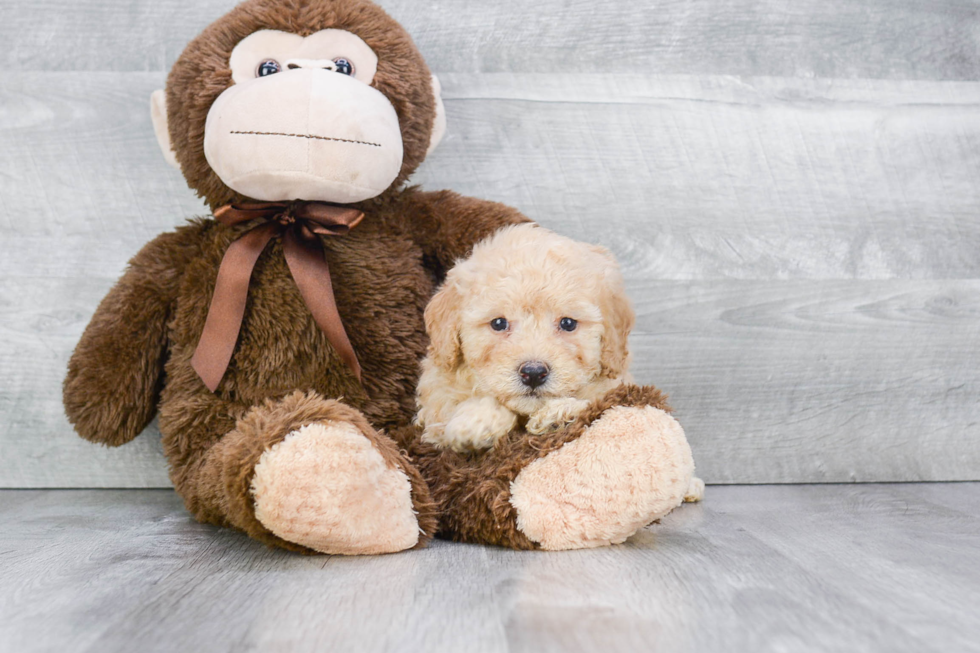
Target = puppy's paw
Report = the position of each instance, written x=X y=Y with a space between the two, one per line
x=554 y=414
x=477 y=424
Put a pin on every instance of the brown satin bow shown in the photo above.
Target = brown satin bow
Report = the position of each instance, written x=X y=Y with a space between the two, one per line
x=299 y=224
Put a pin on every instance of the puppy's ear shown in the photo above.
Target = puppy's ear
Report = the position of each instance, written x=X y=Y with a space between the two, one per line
x=618 y=317
x=442 y=322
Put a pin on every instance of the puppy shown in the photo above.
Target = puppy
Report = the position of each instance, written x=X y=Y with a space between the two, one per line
x=532 y=325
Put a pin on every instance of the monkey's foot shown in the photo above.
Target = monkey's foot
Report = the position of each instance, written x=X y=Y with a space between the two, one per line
x=631 y=466
x=325 y=486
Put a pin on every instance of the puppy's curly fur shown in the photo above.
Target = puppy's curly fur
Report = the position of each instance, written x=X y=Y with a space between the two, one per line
x=524 y=279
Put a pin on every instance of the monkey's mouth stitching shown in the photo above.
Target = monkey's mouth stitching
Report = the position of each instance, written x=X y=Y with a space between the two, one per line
x=318 y=138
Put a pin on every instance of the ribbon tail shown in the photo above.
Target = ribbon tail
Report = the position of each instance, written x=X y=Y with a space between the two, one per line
x=312 y=275
x=227 y=309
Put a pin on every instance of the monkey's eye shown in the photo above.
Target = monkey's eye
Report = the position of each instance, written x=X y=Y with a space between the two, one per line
x=343 y=66
x=498 y=324
x=268 y=67
x=567 y=324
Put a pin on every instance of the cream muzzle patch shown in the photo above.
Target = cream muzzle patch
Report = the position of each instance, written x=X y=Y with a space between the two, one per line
x=302 y=128
x=301 y=121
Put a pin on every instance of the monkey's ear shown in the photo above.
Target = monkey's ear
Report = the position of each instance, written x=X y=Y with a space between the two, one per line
x=158 y=112
x=439 y=125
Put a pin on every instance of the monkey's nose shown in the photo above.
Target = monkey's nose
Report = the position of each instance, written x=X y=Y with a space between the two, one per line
x=533 y=374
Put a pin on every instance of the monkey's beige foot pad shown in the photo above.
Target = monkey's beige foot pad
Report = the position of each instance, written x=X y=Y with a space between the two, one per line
x=631 y=466
x=326 y=487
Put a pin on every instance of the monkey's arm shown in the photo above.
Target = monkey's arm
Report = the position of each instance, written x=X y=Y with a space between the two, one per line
x=447 y=225
x=116 y=370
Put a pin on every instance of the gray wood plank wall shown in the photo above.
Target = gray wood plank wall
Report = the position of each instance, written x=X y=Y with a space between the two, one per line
x=793 y=191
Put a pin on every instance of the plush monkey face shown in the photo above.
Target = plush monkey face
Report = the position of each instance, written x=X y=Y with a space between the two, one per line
x=339 y=110
x=302 y=121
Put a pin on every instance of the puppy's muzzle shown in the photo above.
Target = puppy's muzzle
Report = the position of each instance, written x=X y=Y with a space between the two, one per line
x=533 y=374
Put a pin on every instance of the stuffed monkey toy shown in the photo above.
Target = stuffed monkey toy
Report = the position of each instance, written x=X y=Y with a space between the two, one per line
x=280 y=340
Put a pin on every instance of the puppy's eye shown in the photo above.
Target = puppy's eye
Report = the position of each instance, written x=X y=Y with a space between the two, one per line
x=268 y=67
x=567 y=324
x=498 y=324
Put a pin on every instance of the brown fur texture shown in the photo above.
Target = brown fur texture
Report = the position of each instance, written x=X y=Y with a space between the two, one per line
x=226 y=472
x=133 y=359
x=383 y=277
x=472 y=491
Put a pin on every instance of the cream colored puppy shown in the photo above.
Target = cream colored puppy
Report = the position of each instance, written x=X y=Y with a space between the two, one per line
x=532 y=326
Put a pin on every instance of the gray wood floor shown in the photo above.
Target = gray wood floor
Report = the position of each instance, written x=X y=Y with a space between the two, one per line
x=763 y=568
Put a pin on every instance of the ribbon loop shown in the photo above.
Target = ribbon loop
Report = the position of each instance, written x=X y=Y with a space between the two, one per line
x=298 y=224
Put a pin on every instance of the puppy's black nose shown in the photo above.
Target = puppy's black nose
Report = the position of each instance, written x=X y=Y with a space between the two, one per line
x=533 y=373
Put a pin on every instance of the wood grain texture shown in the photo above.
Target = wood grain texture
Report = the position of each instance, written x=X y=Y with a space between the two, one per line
x=900 y=39
x=823 y=381
x=717 y=177
x=830 y=533
x=764 y=568
x=774 y=381
x=709 y=177
x=801 y=313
